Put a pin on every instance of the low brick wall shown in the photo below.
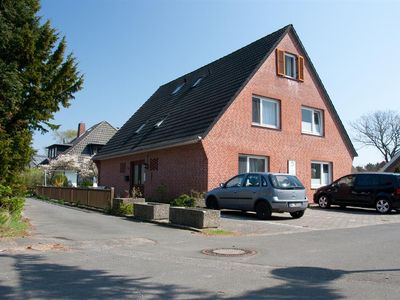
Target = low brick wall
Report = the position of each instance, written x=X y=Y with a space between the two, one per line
x=194 y=217
x=151 y=211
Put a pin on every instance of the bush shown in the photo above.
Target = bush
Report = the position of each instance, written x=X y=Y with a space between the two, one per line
x=13 y=205
x=5 y=191
x=31 y=178
x=123 y=209
x=59 y=180
x=5 y=217
x=184 y=200
x=86 y=183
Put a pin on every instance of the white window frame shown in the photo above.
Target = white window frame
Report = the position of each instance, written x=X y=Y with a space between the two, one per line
x=321 y=165
x=248 y=157
x=140 y=128
x=294 y=57
x=277 y=114
x=313 y=126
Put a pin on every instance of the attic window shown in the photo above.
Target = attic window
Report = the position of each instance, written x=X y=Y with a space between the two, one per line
x=197 y=81
x=290 y=65
x=178 y=88
x=158 y=124
x=140 y=128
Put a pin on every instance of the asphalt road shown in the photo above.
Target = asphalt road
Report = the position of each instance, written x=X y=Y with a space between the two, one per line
x=80 y=254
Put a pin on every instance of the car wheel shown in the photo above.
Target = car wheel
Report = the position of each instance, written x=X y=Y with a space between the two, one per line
x=323 y=201
x=383 y=206
x=263 y=211
x=212 y=203
x=297 y=214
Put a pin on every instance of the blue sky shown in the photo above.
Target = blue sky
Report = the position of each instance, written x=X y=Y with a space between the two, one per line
x=126 y=49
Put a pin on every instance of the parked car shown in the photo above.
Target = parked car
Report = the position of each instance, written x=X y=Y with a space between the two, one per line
x=263 y=193
x=379 y=190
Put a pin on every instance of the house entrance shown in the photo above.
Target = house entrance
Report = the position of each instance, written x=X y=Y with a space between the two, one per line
x=137 y=176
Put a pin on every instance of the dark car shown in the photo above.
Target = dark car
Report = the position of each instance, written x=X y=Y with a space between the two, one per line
x=378 y=190
x=263 y=193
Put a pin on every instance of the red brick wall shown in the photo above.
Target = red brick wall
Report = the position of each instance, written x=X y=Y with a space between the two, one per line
x=234 y=133
x=180 y=169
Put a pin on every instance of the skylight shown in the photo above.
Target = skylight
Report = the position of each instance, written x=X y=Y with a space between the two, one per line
x=140 y=128
x=178 y=88
x=197 y=81
x=158 y=124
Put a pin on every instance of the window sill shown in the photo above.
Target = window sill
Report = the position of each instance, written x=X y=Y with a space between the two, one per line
x=291 y=78
x=265 y=126
x=313 y=134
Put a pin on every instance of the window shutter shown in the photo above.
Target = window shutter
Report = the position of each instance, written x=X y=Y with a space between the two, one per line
x=300 y=68
x=280 y=62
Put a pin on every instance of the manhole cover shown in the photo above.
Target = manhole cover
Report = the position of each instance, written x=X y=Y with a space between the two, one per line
x=228 y=252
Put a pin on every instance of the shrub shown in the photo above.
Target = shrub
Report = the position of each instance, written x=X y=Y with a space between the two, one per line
x=5 y=191
x=59 y=180
x=86 y=183
x=122 y=209
x=184 y=200
x=5 y=217
x=136 y=192
x=14 y=205
x=197 y=195
x=31 y=178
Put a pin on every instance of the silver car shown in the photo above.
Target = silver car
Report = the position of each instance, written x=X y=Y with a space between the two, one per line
x=263 y=193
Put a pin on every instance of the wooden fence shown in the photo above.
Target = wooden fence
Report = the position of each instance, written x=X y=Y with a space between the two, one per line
x=97 y=198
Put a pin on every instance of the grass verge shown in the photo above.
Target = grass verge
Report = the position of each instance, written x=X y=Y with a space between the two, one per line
x=16 y=228
x=217 y=232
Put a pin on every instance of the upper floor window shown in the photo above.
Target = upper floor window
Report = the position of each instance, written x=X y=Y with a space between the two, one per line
x=289 y=65
x=266 y=112
x=311 y=121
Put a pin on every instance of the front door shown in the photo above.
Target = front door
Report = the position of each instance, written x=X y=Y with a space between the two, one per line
x=137 y=176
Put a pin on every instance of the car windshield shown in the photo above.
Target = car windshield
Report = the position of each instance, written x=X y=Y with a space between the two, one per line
x=286 y=182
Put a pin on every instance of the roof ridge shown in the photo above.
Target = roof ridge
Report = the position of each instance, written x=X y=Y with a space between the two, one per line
x=285 y=28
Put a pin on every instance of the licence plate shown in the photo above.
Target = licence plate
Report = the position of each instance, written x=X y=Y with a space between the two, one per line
x=296 y=204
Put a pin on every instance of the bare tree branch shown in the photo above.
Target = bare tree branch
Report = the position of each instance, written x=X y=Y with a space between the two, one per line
x=381 y=130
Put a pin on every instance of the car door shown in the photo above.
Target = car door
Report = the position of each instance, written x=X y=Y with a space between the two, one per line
x=364 y=189
x=228 y=195
x=248 y=191
x=342 y=190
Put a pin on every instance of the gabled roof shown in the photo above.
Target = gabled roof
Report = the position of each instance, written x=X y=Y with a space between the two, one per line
x=98 y=134
x=190 y=113
x=392 y=163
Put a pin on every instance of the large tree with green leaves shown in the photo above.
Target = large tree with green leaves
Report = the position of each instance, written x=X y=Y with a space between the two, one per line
x=36 y=79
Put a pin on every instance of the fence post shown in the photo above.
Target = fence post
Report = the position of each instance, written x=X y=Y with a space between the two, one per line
x=111 y=197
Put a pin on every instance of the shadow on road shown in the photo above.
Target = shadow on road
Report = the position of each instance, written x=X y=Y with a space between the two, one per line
x=39 y=280
x=304 y=283
x=240 y=215
x=354 y=211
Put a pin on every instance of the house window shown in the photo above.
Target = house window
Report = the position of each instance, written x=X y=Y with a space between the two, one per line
x=197 y=81
x=266 y=112
x=252 y=164
x=290 y=65
x=311 y=121
x=321 y=174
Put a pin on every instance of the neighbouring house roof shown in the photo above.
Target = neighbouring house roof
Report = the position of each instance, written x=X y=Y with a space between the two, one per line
x=38 y=160
x=189 y=112
x=392 y=163
x=98 y=134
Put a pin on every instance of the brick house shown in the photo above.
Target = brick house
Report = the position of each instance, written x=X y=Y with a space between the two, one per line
x=260 y=108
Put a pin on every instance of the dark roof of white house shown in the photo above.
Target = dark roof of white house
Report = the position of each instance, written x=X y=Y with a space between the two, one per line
x=98 y=134
x=395 y=160
x=187 y=109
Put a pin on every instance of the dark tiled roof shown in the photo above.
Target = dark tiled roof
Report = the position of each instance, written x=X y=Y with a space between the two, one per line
x=38 y=160
x=395 y=160
x=98 y=134
x=192 y=111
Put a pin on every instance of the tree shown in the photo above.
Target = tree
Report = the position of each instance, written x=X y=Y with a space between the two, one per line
x=65 y=136
x=381 y=130
x=36 y=79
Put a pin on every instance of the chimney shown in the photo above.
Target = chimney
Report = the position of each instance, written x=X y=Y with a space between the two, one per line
x=81 y=129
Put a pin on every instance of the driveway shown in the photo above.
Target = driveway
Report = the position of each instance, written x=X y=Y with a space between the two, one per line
x=314 y=219
x=75 y=254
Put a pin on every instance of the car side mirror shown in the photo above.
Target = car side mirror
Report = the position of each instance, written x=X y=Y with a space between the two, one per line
x=222 y=185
